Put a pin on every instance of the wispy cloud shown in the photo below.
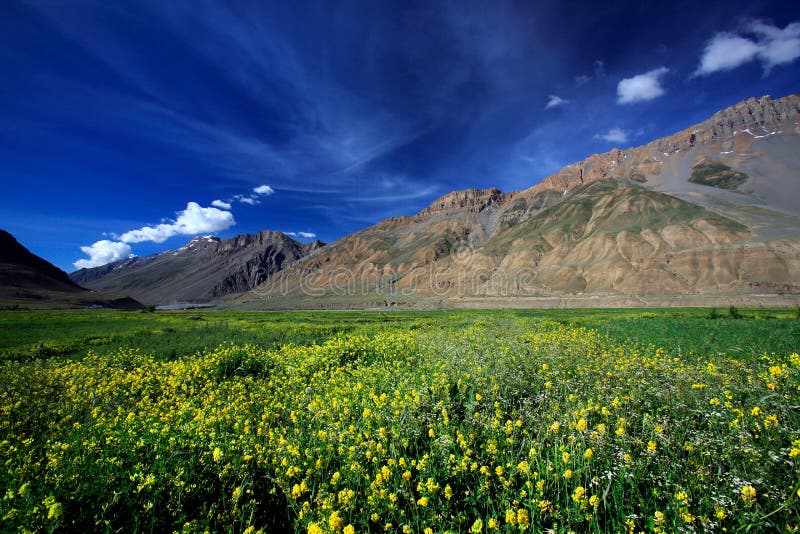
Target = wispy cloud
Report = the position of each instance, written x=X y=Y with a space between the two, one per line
x=554 y=101
x=221 y=204
x=103 y=252
x=758 y=40
x=598 y=71
x=253 y=198
x=304 y=235
x=642 y=87
x=614 y=135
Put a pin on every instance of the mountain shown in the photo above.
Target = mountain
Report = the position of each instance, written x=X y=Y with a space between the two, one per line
x=203 y=270
x=709 y=214
x=26 y=280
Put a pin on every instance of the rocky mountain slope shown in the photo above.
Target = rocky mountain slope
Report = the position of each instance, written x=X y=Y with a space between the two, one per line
x=26 y=280
x=203 y=270
x=712 y=212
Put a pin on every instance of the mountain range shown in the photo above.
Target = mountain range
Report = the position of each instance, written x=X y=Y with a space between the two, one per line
x=204 y=270
x=709 y=214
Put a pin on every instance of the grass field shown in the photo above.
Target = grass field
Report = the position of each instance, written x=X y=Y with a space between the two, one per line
x=682 y=420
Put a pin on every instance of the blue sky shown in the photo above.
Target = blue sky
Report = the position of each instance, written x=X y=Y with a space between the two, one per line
x=122 y=122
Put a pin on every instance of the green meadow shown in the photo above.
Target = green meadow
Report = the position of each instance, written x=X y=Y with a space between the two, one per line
x=622 y=420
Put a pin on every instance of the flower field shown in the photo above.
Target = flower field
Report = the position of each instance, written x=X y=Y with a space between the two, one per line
x=488 y=423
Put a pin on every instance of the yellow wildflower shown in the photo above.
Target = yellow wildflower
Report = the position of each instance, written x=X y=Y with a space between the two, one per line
x=748 y=495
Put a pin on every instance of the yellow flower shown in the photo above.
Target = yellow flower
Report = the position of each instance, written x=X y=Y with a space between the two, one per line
x=523 y=518
x=594 y=501
x=313 y=528
x=511 y=517
x=651 y=446
x=748 y=495
x=349 y=529
x=477 y=527
x=555 y=427
x=578 y=494
x=581 y=424
x=567 y=474
x=448 y=492
x=54 y=511
x=499 y=470
x=336 y=522
x=565 y=457
x=588 y=453
x=423 y=501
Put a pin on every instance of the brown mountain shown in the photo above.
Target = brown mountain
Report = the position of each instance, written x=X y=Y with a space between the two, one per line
x=26 y=280
x=203 y=270
x=709 y=214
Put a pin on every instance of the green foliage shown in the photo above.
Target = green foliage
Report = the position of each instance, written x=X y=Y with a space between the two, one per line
x=717 y=175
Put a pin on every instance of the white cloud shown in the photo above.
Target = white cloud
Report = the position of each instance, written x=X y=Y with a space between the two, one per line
x=777 y=46
x=305 y=235
x=193 y=220
x=247 y=199
x=641 y=87
x=103 y=252
x=221 y=204
x=555 y=101
x=769 y=44
x=614 y=135
x=724 y=52
x=263 y=190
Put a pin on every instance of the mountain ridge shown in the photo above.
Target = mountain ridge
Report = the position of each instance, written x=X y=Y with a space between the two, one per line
x=711 y=210
x=751 y=223
x=205 y=269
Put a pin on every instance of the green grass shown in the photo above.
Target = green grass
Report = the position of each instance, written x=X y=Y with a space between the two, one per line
x=30 y=335
x=678 y=420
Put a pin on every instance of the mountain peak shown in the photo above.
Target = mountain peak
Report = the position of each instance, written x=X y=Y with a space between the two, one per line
x=473 y=200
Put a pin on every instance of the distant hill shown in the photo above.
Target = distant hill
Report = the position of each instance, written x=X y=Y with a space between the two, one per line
x=205 y=269
x=26 y=280
x=710 y=214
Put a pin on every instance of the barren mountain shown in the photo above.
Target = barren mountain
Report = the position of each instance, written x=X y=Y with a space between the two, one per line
x=26 y=280
x=711 y=212
x=203 y=270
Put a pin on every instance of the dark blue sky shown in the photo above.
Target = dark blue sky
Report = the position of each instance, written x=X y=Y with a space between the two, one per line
x=115 y=116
